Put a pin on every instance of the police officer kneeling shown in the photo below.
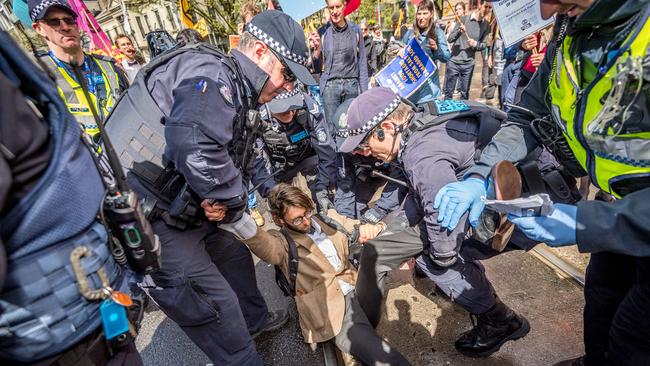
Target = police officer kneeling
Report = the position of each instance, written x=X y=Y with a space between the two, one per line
x=56 y=269
x=432 y=148
x=296 y=140
x=207 y=102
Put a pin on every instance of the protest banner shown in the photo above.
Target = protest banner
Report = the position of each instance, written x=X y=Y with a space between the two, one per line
x=406 y=75
x=518 y=19
x=300 y=10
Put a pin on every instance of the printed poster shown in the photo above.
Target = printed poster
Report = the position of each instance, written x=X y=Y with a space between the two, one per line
x=405 y=75
x=518 y=19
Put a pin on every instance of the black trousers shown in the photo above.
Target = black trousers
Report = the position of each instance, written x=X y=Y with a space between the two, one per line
x=207 y=286
x=617 y=310
x=461 y=73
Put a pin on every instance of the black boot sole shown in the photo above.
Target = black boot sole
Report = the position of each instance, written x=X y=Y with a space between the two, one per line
x=520 y=333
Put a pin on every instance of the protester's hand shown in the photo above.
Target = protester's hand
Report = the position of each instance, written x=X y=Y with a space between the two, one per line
x=490 y=61
x=433 y=45
x=556 y=230
x=529 y=43
x=400 y=53
x=462 y=28
x=472 y=42
x=454 y=199
x=370 y=231
x=214 y=212
x=536 y=59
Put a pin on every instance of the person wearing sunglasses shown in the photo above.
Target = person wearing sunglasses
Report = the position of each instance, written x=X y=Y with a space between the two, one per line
x=56 y=23
x=432 y=145
x=324 y=283
x=589 y=103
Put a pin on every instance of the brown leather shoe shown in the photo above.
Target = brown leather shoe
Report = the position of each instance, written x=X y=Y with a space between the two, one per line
x=507 y=186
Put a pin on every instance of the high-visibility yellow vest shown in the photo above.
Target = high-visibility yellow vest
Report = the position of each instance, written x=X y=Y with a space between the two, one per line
x=610 y=158
x=74 y=97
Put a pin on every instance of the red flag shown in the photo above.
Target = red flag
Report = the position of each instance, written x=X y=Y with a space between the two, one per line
x=351 y=7
x=416 y=2
x=270 y=6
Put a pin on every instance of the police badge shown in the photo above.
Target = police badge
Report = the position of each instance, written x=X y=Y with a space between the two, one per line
x=226 y=94
x=321 y=136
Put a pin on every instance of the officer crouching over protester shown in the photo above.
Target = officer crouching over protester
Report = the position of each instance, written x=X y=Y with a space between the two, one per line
x=589 y=103
x=313 y=258
x=296 y=139
x=59 y=281
x=433 y=147
x=205 y=104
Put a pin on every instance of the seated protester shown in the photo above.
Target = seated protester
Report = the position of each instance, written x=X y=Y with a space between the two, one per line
x=295 y=139
x=433 y=149
x=324 y=287
x=433 y=42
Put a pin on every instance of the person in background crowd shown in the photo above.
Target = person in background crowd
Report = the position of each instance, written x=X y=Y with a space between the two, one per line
x=496 y=61
x=515 y=56
x=488 y=87
x=433 y=42
x=323 y=288
x=133 y=61
x=467 y=37
x=246 y=13
x=342 y=59
x=56 y=22
x=373 y=49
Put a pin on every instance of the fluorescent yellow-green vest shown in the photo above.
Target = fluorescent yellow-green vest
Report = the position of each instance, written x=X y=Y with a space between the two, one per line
x=74 y=97
x=610 y=158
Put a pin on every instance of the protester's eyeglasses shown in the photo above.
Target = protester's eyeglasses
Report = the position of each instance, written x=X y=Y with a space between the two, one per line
x=299 y=220
x=54 y=22
x=289 y=77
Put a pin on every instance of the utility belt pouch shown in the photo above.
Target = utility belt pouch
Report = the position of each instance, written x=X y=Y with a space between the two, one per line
x=184 y=206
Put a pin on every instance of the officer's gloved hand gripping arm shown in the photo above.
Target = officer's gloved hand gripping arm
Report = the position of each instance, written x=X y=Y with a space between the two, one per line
x=197 y=131
x=513 y=142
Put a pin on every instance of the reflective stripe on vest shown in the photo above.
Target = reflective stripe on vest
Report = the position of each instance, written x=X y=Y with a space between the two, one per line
x=607 y=157
x=74 y=97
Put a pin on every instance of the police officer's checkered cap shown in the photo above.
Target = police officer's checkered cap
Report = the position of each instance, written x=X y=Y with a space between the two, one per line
x=287 y=95
x=37 y=7
x=275 y=45
x=374 y=121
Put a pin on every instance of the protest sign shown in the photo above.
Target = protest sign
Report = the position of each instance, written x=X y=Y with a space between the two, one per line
x=518 y=19
x=300 y=10
x=406 y=75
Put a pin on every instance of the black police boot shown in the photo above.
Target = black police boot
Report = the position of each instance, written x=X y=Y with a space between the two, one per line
x=491 y=330
x=578 y=361
x=274 y=321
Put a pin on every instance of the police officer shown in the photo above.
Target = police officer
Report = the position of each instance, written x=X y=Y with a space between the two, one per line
x=432 y=149
x=296 y=139
x=207 y=102
x=589 y=103
x=355 y=184
x=50 y=194
x=56 y=22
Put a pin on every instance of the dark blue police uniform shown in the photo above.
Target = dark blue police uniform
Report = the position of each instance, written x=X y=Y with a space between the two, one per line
x=304 y=145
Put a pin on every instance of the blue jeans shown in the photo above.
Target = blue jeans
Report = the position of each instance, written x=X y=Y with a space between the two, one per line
x=509 y=81
x=336 y=92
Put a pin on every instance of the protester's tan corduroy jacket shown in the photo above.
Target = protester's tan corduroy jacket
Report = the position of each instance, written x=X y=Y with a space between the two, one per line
x=319 y=298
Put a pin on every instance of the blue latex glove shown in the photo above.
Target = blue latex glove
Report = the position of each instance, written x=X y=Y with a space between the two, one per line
x=558 y=229
x=455 y=198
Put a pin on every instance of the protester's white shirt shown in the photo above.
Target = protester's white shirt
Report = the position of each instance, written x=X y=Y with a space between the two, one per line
x=327 y=247
x=131 y=69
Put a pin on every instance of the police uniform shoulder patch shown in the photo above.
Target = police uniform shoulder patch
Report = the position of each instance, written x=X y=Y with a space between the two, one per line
x=450 y=106
x=226 y=93
x=321 y=136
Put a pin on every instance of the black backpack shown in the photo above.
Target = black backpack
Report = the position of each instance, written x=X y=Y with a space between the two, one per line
x=288 y=287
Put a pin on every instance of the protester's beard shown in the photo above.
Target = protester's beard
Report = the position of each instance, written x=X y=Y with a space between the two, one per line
x=305 y=229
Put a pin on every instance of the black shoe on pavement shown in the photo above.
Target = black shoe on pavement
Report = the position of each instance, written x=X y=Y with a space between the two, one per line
x=491 y=330
x=578 y=361
x=274 y=321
